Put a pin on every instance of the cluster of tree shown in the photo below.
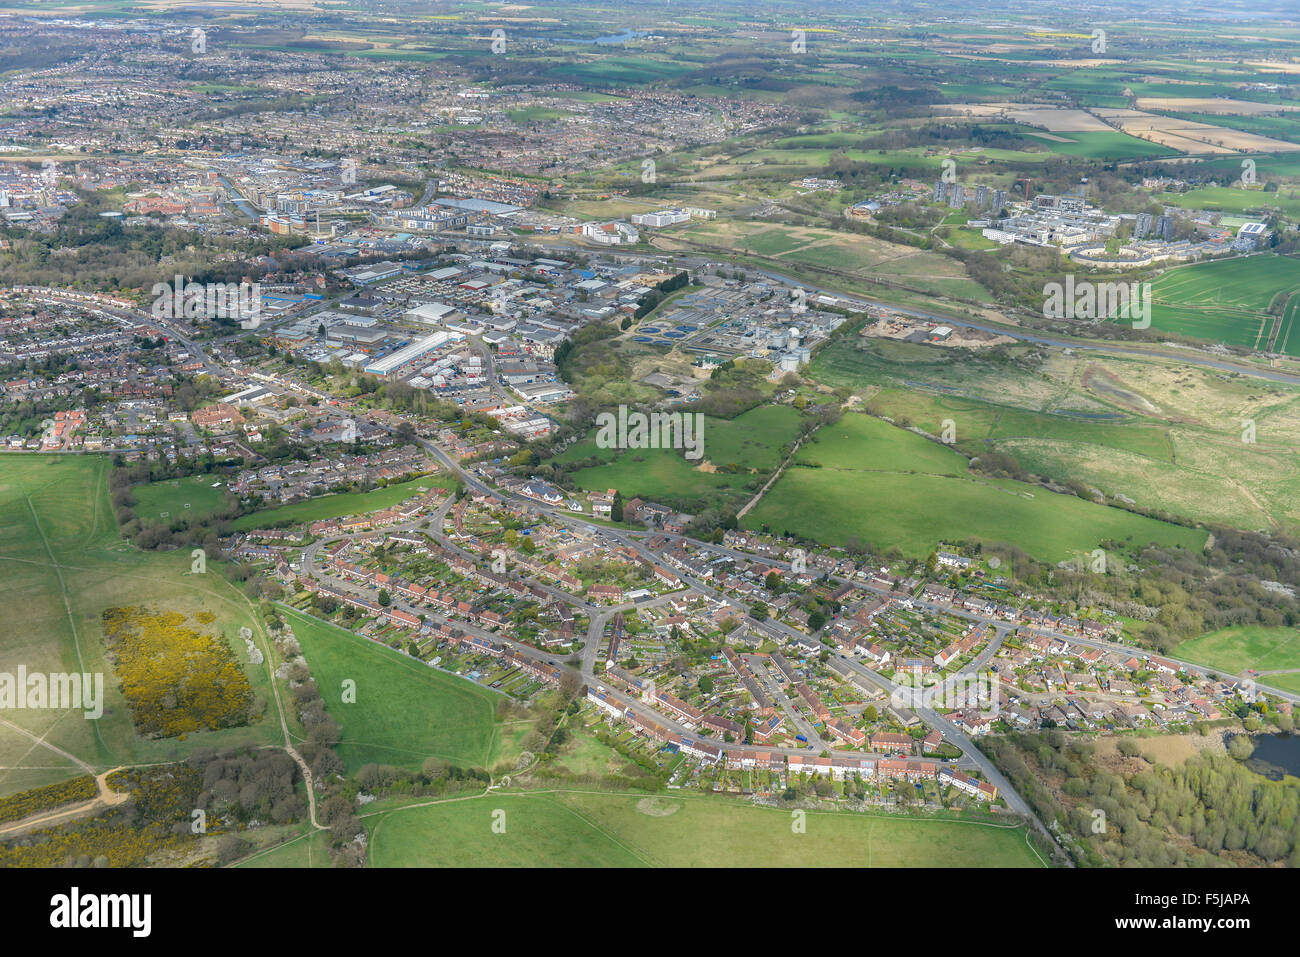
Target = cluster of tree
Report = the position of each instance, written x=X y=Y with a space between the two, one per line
x=1023 y=282
x=896 y=102
x=1146 y=818
x=322 y=731
x=435 y=776
x=907 y=222
x=243 y=786
x=1176 y=592
x=88 y=251
x=338 y=809
x=660 y=292
x=733 y=387
x=548 y=733
x=949 y=135
x=711 y=524
x=178 y=531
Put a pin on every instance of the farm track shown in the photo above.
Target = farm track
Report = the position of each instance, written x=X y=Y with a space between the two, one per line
x=105 y=795
x=770 y=482
x=1273 y=333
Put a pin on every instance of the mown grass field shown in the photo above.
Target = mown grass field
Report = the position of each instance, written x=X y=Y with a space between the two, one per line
x=63 y=563
x=404 y=711
x=584 y=829
x=345 y=503
x=1253 y=647
x=1287 y=682
x=890 y=487
x=192 y=497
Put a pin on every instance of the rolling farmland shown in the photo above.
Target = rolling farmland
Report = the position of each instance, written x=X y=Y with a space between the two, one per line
x=1228 y=301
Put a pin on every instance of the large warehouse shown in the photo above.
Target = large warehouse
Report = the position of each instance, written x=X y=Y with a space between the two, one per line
x=430 y=313
x=415 y=350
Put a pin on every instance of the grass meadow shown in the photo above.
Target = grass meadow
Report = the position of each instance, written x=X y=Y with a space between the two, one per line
x=344 y=503
x=404 y=711
x=1246 y=647
x=753 y=443
x=865 y=478
x=63 y=563
x=588 y=829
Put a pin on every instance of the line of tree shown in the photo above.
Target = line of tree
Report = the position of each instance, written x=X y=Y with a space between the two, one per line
x=659 y=293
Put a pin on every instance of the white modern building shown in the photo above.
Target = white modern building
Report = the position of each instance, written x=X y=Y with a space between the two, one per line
x=411 y=353
x=430 y=313
x=663 y=217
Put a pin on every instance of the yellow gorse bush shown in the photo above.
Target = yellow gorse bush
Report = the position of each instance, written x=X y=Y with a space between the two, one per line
x=175 y=678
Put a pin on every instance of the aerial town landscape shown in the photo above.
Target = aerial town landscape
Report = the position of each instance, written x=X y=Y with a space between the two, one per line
x=466 y=434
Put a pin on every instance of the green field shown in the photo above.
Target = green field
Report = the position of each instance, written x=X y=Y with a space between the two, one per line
x=1287 y=682
x=890 y=487
x=336 y=506
x=191 y=497
x=752 y=442
x=1106 y=144
x=536 y=114
x=618 y=71
x=404 y=711
x=1165 y=435
x=1227 y=301
x=754 y=439
x=63 y=564
x=308 y=850
x=584 y=829
x=1228 y=199
x=1253 y=647
x=650 y=473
